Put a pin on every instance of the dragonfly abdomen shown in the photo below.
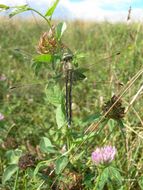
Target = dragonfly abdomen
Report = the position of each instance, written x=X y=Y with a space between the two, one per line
x=67 y=68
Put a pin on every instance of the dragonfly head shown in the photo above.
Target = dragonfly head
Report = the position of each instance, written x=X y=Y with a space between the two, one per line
x=67 y=57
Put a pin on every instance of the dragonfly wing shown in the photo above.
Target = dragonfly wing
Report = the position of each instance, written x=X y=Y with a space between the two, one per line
x=79 y=75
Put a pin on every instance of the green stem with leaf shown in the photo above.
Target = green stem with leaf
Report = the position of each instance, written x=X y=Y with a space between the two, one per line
x=47 y=20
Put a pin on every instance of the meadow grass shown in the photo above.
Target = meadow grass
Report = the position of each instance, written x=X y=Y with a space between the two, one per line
x=29 y=116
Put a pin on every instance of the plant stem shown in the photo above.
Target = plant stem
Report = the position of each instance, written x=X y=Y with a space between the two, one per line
x=15 y=183
x=40 y=14
x=25 y=181
x=68 y=144
x=47 y=20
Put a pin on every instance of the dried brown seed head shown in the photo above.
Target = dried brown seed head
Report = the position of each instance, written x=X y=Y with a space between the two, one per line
x=117 y=112
x=25 y=161
x=48 y=43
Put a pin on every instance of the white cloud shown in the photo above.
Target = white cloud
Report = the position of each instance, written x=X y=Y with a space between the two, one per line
x=92 y=9
x=87 y=9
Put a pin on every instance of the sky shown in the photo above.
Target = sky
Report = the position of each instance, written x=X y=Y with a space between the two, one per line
x=93 y=10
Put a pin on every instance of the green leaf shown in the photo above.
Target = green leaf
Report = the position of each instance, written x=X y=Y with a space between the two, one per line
x=36 y=67
x=13 y=156
x=115 y=176
x=39 y=166
x=46 y=146
x=88 y=180
x=51 y=10
x=61 y=163
x=4 y=7
x=112 y=124
x=102 y=179
x=53 y=95
x=43 y=58
x=8 y=173
x=61 y=27
x=19 y=9
x=60 y=117
x=110 y=176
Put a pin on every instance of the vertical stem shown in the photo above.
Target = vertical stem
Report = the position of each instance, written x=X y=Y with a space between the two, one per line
x=97 y=179
x=16 y=178
x=25 y=181
x=47 y=20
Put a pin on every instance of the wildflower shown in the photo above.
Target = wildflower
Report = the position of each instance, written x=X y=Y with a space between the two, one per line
x=103 y=155
x=117 y=112
x=1 y=117
x=25 y=161
x=48 y=43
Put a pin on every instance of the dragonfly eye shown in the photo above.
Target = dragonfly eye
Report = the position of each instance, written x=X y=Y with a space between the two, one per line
x=67 y=57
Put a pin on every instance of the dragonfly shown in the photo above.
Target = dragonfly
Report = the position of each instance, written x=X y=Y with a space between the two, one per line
x=71 y=75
